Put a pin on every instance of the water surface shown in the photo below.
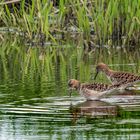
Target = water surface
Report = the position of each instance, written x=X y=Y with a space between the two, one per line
x=35 y=104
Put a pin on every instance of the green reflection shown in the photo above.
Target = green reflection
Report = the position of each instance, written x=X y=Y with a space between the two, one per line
x=34 y=101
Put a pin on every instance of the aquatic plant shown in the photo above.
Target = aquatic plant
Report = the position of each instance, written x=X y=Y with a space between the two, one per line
x=103 y=22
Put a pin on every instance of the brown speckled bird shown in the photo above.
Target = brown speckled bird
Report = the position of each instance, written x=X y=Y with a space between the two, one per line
x=92 y=90
x=117 y=77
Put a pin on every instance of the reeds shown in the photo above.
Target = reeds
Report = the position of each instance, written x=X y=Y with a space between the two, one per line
x=102 y=22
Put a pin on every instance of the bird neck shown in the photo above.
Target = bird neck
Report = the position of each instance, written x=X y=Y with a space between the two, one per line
x=78 y=87
x=108 y=72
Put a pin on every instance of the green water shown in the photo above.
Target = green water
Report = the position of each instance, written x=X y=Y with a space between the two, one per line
x=34 y=101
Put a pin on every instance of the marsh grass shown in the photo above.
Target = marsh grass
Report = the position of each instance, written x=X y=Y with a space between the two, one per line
x=111 y=20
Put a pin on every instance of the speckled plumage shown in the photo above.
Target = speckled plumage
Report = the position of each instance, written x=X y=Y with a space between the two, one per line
x=117 y=77
x=91 y=90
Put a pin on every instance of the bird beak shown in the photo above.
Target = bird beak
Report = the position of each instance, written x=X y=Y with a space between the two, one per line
x=70 y=91
x=96 y=75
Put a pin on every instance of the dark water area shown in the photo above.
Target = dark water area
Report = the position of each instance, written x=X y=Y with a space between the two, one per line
x=35 y=104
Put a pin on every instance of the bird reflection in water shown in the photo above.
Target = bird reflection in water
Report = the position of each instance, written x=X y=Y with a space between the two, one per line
x=94 y=109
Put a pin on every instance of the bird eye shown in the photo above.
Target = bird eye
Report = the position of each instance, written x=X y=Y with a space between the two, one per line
x=70 y=84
